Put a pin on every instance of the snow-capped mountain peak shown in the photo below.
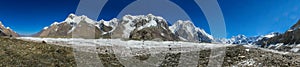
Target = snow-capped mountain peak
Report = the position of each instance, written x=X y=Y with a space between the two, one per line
x=239 y=37
x=111 y=23
x=140 y=22
x=242 y=39
x=72 y=18
x=188 y=31
x=128 y=27
x=188 y=25
x=55 y=23
x=143 y=17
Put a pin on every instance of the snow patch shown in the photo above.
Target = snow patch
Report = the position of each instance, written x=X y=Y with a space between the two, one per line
x=45 y=28
x=298 y=45
x=247 y=49
x=248 y=62
x=162 y=34
x=273 y=34
x=269 y=36
x=181 y=38
x=129 y=26
x=295 y=49
x=150 y=24
x=274 y=51
x=55 y=23
x=278 y=45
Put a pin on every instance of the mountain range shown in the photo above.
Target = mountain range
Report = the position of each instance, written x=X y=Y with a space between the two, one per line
x=140 y=27
x=257 y=40
x=150 y=27
x=290 y=37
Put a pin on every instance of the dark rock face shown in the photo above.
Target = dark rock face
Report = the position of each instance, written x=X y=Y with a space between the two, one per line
x=105 y=28
x=158 y=32
x=292 y=36
x=203 y=38
x=151 y=34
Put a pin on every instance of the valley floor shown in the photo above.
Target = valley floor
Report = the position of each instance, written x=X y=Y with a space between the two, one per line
x=28 y=51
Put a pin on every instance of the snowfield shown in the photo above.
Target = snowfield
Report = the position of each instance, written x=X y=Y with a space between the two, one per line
x=126 y=50
x=155 y=46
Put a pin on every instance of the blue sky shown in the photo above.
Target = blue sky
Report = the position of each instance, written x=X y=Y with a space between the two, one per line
x=248 y=17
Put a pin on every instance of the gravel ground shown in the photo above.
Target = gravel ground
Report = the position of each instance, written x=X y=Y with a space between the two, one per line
x=14 y=52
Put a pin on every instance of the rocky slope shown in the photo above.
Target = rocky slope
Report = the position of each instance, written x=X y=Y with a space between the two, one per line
x=15 y=52
x=6 y=31
x=292 y=36
x=73 y=26
x=140 y=27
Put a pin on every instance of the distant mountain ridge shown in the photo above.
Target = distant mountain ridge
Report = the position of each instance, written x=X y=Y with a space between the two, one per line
x=140 y=27
x=255 y=40
x=291 y=36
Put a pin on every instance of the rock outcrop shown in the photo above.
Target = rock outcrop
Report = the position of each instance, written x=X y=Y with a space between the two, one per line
x=6 y=31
